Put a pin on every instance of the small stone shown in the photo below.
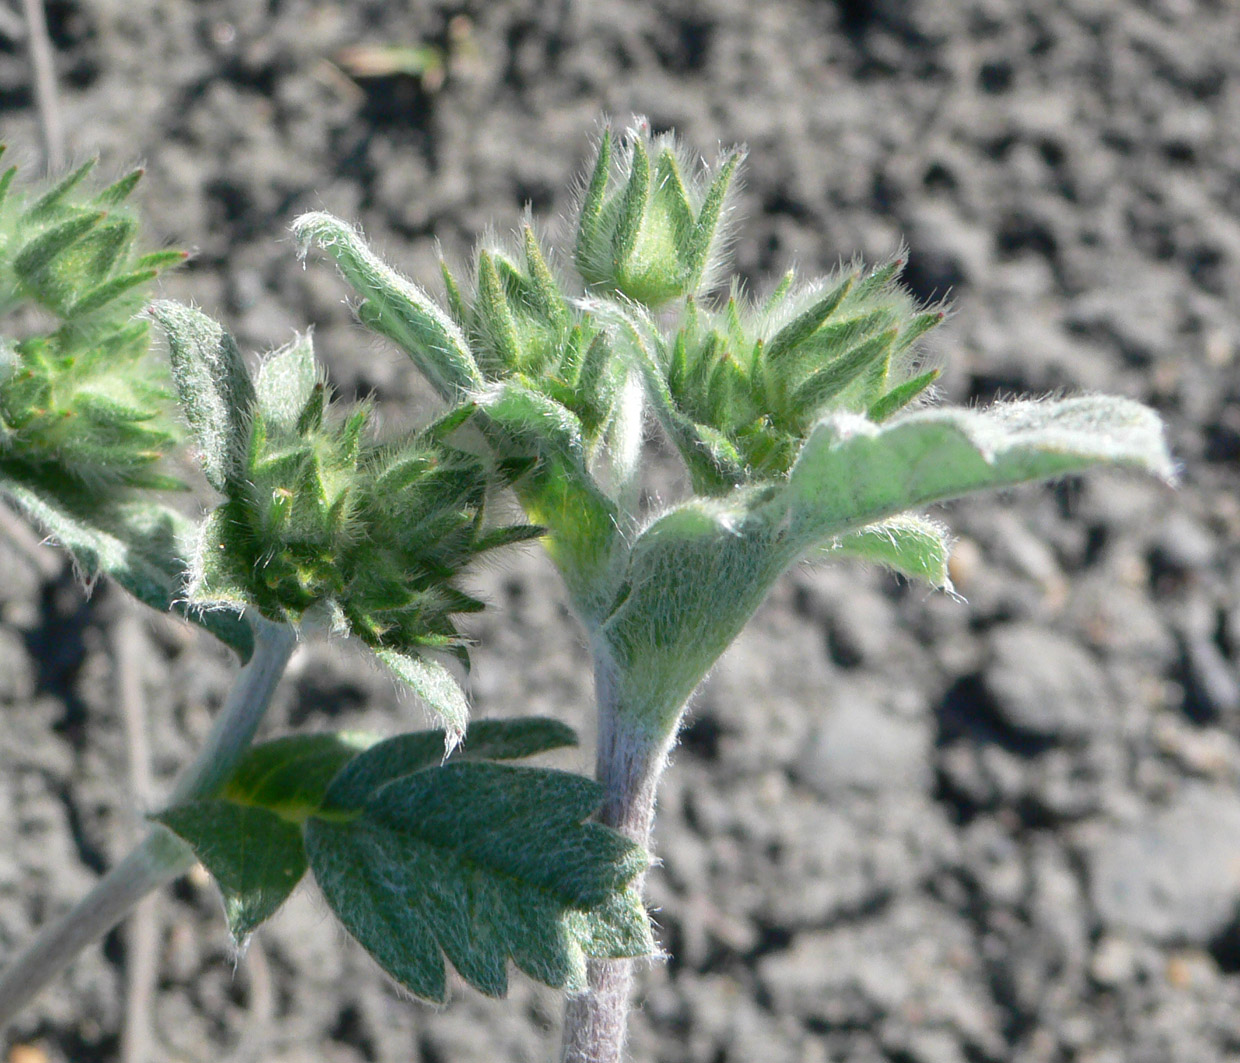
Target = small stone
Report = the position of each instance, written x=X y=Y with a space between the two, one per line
x=860 y=746
x=1114 y=962
x=1045 y=686
x=1175 y=877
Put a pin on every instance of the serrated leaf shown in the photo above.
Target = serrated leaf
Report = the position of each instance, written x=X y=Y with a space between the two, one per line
x=852 y=472
x=214 y=386
x=912 y=546
x=407 y=753
x=514 y=739
x=140 y=546
x=396 y=307
x=436 y=686
x=256 y=857
x=481 y=863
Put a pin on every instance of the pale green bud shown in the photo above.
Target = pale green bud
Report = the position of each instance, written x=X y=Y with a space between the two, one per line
x=652 y=223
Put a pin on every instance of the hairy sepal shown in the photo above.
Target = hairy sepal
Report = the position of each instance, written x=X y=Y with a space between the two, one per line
x=437 y=688
x=396 y=307
x=214 y=388
x=558 y=492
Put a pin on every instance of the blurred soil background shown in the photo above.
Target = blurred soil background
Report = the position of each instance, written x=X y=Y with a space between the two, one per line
x=899 y=827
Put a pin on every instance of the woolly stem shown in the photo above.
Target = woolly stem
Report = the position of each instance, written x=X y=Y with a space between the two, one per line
x=629 y=764
x=161 y=856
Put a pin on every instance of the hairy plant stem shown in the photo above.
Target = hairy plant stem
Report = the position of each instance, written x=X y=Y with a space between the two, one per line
x=630 y=761
x=160 y=856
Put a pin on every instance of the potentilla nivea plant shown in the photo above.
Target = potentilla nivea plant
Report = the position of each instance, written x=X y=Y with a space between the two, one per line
x=803 y=423
x=801 y=419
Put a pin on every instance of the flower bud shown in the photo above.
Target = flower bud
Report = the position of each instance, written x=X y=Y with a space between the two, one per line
x=754 y=380
x=651 y=227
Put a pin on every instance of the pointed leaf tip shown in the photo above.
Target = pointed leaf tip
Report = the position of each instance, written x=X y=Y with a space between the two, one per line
x=213 y=385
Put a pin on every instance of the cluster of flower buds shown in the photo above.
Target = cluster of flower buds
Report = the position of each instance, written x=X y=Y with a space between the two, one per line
x=560 y=369
x=82 y=407
x=523 y=328
x=318 y=523
x=747 y=384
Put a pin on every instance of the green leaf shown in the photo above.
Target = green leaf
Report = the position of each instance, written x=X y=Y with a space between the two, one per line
x=255 y=857
x=912 y=546
x=290 y=775
x=407 y=753
x=286 y=383
x=481 y=863
x=214 y=388
x=139 y=545
x=852 y=472
x=396 y=307
x=514 y=739
x=694 y=579
x=436 y=686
